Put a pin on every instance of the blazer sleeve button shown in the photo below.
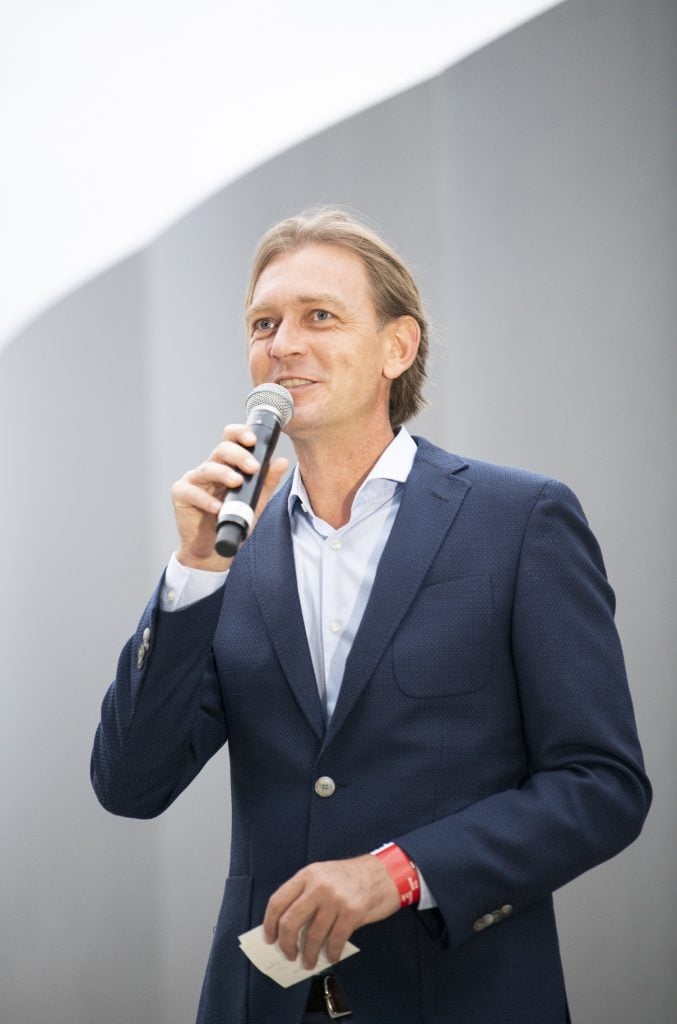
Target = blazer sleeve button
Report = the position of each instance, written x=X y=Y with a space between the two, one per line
x=143 y=648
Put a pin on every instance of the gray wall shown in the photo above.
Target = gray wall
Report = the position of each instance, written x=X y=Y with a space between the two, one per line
x=531 y=188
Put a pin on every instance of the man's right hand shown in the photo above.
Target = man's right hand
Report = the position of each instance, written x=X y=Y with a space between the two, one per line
x=199 y=494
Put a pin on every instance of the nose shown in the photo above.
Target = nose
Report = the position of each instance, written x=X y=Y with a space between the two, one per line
x=287 y=340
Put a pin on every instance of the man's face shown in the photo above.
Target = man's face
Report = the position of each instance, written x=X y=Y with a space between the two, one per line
x=313 y=328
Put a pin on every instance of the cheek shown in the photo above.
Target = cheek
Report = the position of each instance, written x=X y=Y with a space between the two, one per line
x=258 y=365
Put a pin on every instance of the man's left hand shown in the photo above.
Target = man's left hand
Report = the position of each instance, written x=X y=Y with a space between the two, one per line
x=330 y=899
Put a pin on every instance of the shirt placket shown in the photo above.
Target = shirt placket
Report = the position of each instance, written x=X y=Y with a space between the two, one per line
x=334 y=612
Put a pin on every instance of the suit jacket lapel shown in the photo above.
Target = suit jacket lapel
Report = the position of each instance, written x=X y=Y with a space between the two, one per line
x=274 y=583
x=433 y=494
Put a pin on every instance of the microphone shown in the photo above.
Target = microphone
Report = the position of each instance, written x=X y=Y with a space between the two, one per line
x=269 y=408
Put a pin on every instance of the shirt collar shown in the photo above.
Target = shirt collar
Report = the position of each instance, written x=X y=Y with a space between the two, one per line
x=393 y=464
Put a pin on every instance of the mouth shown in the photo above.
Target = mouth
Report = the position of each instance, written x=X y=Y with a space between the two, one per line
x=294 y=383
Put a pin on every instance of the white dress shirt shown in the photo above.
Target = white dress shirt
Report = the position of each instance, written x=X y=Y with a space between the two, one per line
x=335 y=569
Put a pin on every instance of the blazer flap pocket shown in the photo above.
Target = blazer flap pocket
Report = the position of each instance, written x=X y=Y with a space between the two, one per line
x=445 y=644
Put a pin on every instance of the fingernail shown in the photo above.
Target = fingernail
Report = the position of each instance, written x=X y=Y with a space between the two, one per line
x=251 y=463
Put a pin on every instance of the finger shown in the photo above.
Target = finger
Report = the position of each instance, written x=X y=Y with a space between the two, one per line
x=276 y=470
x=238 y=456
x=278 y=904
x=292 y=922
x=316 y=935
x=278 y=467
x=240 y=433
x=189 y=496
x=213 y=475
x=341 y=931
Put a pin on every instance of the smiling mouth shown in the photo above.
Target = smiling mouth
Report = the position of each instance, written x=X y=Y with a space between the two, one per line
x=290 y=383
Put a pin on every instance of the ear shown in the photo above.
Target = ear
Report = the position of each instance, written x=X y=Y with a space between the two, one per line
x=404 y=336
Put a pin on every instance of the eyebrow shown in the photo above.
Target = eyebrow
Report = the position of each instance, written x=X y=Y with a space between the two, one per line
x=317 y=299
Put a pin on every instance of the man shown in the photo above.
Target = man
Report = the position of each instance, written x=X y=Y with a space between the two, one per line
x=411 y=648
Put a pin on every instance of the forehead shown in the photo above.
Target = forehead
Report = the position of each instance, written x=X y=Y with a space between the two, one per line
x=314 y=270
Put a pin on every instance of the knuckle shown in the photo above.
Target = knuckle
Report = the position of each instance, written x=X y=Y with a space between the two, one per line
x=274 y=904
x=285 y=928
x=315 y=873
x=314 y=935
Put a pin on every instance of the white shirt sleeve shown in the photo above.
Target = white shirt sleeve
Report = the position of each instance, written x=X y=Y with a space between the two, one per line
x=183 y=586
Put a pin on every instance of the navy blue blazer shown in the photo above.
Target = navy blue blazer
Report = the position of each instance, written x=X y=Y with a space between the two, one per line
x=484 y=723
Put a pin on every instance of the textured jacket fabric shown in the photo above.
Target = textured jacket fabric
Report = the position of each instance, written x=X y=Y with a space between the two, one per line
x=484 y=723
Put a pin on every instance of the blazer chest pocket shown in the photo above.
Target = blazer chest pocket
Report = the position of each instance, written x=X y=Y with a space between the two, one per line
x=445 y=644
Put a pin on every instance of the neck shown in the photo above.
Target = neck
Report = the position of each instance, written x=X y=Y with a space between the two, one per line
x=332 y=473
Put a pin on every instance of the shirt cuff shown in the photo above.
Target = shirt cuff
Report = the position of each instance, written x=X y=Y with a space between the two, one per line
x=183 y=586
x=427 y=900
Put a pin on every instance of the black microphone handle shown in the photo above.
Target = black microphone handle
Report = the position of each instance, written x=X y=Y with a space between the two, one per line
x=235 y=516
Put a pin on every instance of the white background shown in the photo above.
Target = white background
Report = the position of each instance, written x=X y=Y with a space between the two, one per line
x=117 y=117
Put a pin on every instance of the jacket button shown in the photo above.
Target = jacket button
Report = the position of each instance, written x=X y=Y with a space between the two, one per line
x=324 y=786
x=479 y=925
x=506 y=910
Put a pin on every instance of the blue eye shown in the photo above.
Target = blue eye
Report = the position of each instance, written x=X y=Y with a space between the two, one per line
x=264 y=324
x=322 y=314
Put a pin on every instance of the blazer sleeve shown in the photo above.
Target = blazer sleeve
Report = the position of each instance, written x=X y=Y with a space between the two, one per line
x=585 y=796
x=162 y=718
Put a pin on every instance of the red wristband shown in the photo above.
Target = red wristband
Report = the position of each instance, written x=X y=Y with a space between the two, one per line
x=402 y=871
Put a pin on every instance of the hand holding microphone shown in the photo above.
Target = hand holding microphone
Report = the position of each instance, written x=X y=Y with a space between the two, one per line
x=234 y=466
x=270 y=407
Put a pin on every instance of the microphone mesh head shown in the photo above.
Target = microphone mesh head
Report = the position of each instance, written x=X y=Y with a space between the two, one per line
x=274 y=396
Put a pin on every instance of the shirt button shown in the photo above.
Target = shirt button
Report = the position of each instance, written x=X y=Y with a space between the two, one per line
x=335 y=626
x=324 y=786
x=336 y=545
x=171 y=596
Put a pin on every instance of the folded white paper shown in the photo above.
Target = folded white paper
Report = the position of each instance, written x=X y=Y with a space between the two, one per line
x=272 y=961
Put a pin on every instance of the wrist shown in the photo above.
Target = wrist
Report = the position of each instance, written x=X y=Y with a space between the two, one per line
x=402 y=870
x=211 y=563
